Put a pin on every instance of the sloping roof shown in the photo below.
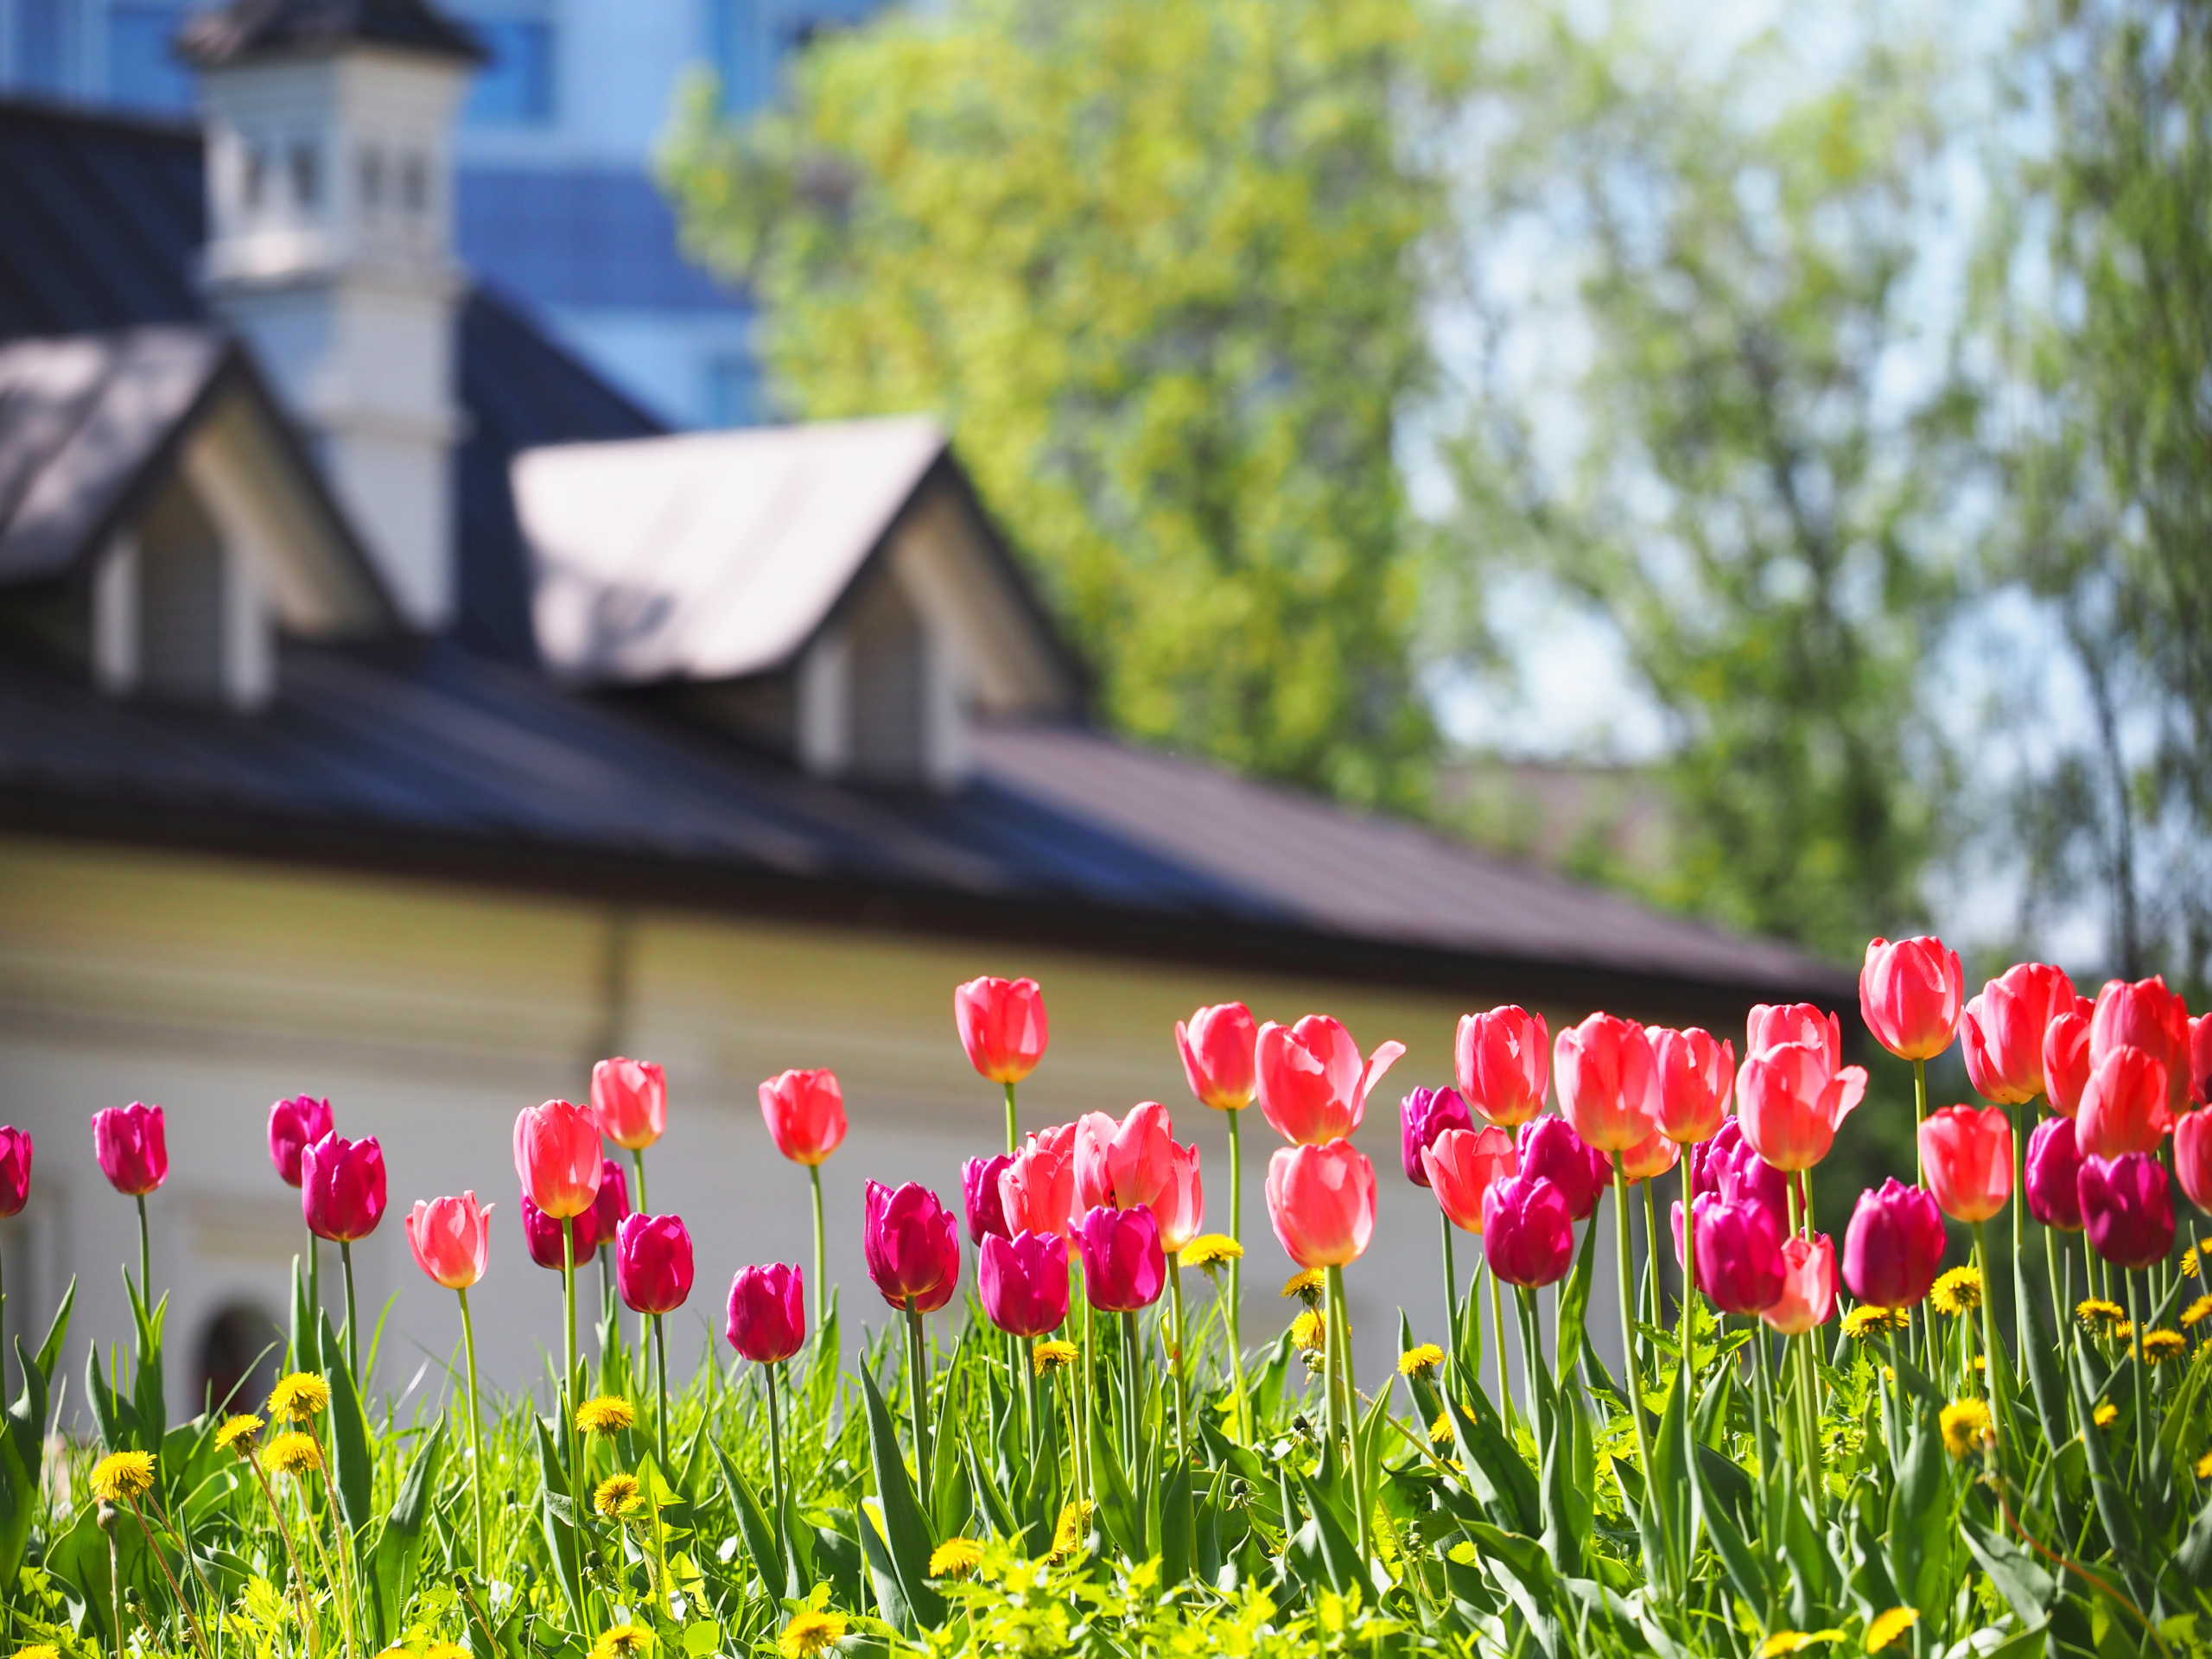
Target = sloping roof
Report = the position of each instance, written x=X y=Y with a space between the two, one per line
x=254 y=28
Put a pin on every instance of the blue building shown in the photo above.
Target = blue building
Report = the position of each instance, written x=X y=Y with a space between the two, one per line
x=555 y=205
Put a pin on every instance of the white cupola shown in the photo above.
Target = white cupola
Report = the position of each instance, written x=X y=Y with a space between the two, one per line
x=329 y=145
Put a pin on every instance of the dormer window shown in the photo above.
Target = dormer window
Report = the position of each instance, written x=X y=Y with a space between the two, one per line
x=253 y=185
x=415 y=185
x=371 y=179
x=305 y=166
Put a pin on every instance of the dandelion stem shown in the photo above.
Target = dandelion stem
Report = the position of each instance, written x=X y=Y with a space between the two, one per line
x=169 y=1578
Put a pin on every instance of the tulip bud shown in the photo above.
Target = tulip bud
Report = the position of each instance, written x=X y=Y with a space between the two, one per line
x=1808 y=1298
x=342 y=1187
x=2126 y=1209
x=132 y=1147
x=1037 y=1191
x=652 y=1263
x=1024 y=1282
x=2124 y=1107
x=1790 y=1102
x=1966 y=1157
x=1608 y=1082
x=629 y=1100
x=766 y=1320
x=557 y=1157
x=1550 y=1150
x=1313 y=1086
x=542 y=1238
x=2054 y=1174
x=2148 y=1016
x=1123 y=1267
x=1528 y=1235
x=451 y=1239
x=806 y=1113
x=979 y=1197
x=1911 y=993
x=1219 y=1048
x=1322 y=1203
x=1422 y=1116
x=2004 y=1027
x=1002 y=1027
x=2193 y=1156
x=1696 y=1075
x=912 y=1245
x=14 y=1170
x=1740 y=1263
x=1460 y=1167
x=1502 y=1062
x=1894 y=1246
x=294 y=1125
x=2066 y=1065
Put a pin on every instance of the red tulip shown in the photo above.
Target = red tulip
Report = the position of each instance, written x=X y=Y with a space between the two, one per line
x=1502 y=1062
x=1740 y=1263
x=1460 y=1167
x=979 y=1197
x=1136 y=1161
x=1655 y=1156
x=1894 y=1246
x=1037 y=1192
x=1422 y=1116
x=805 y=1113
x=132 y=1147
x=14 y=1170
x=2124 y=1108
x=652 y=1263
x=2192 y=1157
x=2004 y=1029
x=1808 y=1298
x=341 y=1187
x=1794 y=1022
x=1550 y=1150
x=1790 y=1102
x=1695 y=1076
x=293 y=1125
x=2054 y=1175
x=451 y=1239
x=2126 y=1209
x=629 y=1098
x=1002 y=1025
x=911 y=1243
x=1322 y=1203
x=2200 y=1058
x=1608 y=1082
x=1911 y=994
x=1123 y=1267
x=2148 y=1016
x=557 y=1157
x=1219 y=1048
x=2066 y=1065
x=542 y=1237
x=1313 y=1086
x=1024 y=1282
x=1966 y=1156
x=766 y=1321
x=608 y=1209
x=1528 y=1237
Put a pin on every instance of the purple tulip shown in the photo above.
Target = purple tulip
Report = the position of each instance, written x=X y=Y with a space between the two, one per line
x=1527 y=1227
x=767 y=1313
x=1423 y=1115
x=2127 y=1209
x=1024 y=1280
x=979 y=1197
x=1730 y=1168
x=14 y=1170
x=1551 y=1151
x=652 y=1262
x=342 y=1187
x=1895 y=1245
x=2054 y=1175
x=294 y=1126
x=912 y=1245
x=1123 y=1267
x=1740 y=1263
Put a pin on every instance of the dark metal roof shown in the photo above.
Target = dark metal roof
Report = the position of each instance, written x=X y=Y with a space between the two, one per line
x=257 y=29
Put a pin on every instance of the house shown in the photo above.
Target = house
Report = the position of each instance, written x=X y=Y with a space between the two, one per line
x=392 y=710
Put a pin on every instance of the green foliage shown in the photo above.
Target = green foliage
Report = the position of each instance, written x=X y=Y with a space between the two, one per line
x=1158 y=268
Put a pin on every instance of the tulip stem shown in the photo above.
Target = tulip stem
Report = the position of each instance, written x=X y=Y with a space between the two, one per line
x=1498 y=1328
x=1651 y=1251
x=821 y=1278
x=637 y=1163
x=566 y=1399
x=145 y=1257
x=2135 y=1343
x=917 y=1385
x=1628 y=1327
x=660 y=1368
x=1340 y=1345
x=352 y=1326
x=1689 y=1286
x=1997 y=1406
x=2060 y=1273
x=1131 y=1439
x=475 y=1435
x=775 y=1455
x=1919 y=1116
x=310 y=1357
x=1451 y=1288
x=1013 y=1124
x=1175 y=1356
x=1237 y=1278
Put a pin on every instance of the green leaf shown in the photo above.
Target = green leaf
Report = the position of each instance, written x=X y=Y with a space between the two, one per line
x=399 y=1546
x=1118 y=1515
x=761 y=1540
x=1495 y=1471
x=2040 y=1348
x=1747 y=1569
x=910 y=1542
x=354 y=1472
x=27 y=1417
x=2016 y=1575
x=1575 y=1304
x=559 y=1516
x=18 y=1506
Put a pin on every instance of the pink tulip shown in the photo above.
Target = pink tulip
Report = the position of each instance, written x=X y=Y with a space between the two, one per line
x=1139 y=1161
x=2126 y=1209
x=1528 y=1237
x=1894 y=1247
x=132 y=1147
x=1460 y=1167
x=2192 y=1157
x=14 y=1170
x=557 y=1157
x=1219 y=1048
x=629 y=1099
x=2124 y=1107
x=2003 y=1028
x=1123 y=1266
x=451 y=1239
x=1002 y=1025
x=1808 y=1298
x=1654 y=1155
x=2200 y=1058
x=1790 y=1102
x=767 y=1318
x=2066 y=1064
x=1422 y=1116
x=1322 y=1203
x=1910 y=994
x=1037 y=1191
x=542 y=1235
x=1024 y=1282
x=1502 y=1062
x=1608 y=1082
x=1312 y=1085
x=1966 y=1157
x=1739 y=1262
x=979 y=1197
x=1794 y=1022
x=293 y=1125
x=912 y=1245
x=1550 y=1150
x=2148 y=1016
x=806 y=1113
x=1696 y=1075
x=652 y=1263
x=342 y=1187
x=2055 y=1175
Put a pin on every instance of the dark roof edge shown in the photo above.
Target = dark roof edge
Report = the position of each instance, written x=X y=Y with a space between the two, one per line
x=861 y=905
x=20 y=104
x=521 y=314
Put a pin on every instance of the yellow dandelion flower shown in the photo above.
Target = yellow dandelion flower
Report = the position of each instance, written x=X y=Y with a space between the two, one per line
x=1957 y=1292
x=622 y=1642
x=1072 y=1527
x=1783 y=1641
x=1864 y=1324
x=1440 y=1432
x=956 y=1558
x=2204 y=1467
x=1886 y=1628
x=2189 y=1260
x=2096 y=1315
x=445 y=1651
x=1307 y=1286
x=1967 y=1426
x=39 y=1650
x=293 y=1453
x=2104 y=1414
x=300 y=1394
x=1048 y=1356
x=1210 y=1251
x=810 y=1632
x=235 y=1429
x=2159 y=1346
x=1308 y=1331
x=615 y=1496
x=604 y=1415
x=2124 y=1331
x=1417 y=1361
x=1979 y=1363
x=123 y=1476
x=2197 y=1310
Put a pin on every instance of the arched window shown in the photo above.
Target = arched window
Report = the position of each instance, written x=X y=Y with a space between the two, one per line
x=238 y=1355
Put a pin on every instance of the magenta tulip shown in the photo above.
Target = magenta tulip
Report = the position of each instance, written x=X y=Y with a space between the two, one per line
x=911 y=1243
x=766 y=1322
x=1739 y=1261
x=1729 y=1166
x=1422 y=1116
x=1528 y=1230
x=1550 y=1150
x=2126 y=1209
x=342 y=1187
x=979 y=1197
x=1024 y=1282
x=295 y=1125
x=652 y=1262
x=132 y=1147
x=1123 y=1267
x=542 y=1233
x=2055 y=1175
x=607 y=1209
x=1894 y=1247
x=14 y=1170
